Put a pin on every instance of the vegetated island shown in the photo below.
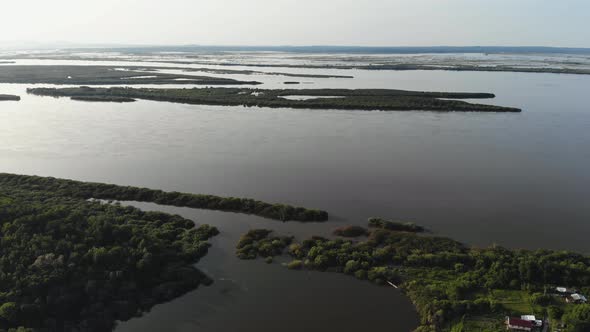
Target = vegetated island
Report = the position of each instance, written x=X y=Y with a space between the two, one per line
x=90 y=190
x=454 y=287
x=9 y=98
x=343 y=99
x=70 y=264
x=104 y=99
x=104 y=75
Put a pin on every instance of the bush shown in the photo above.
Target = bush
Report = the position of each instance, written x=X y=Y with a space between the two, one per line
x=555 y=312
x=8 y=311
x=295 y=265
x=361 y=274
x=351 y=266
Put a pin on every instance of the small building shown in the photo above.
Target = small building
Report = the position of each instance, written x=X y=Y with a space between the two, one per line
x=518 y=324
x=531 y=318
x=561 y=290
x=576 y=298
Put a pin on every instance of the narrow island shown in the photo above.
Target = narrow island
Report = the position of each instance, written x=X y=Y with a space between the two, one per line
x=338 y=99
x=103 y=99
x=90 y=190
x=9 y=98
x=455 y=288
x=70 y=264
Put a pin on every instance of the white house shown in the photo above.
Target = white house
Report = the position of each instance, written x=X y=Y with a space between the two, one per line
x=576 y=298
x=532 y=319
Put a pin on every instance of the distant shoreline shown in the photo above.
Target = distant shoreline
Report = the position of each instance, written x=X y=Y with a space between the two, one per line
x=9 y=98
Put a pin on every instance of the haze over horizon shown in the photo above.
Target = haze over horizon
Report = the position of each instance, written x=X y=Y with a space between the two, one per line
x=298 y=23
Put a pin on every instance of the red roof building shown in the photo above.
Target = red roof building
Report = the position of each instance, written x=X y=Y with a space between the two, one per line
x=518 y=324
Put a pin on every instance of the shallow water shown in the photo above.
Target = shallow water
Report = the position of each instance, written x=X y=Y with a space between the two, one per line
x=519 y=180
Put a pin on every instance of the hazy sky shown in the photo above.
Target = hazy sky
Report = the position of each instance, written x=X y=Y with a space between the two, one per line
x=300 y=22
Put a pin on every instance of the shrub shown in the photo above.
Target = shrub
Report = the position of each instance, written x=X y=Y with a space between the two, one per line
x=295 y=265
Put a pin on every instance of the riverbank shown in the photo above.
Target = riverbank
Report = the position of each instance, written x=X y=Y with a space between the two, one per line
x=450 y=283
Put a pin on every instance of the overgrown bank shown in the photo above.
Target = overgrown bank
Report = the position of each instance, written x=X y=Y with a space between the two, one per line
x=89 y=190
x=454 y=287
x=68 y=264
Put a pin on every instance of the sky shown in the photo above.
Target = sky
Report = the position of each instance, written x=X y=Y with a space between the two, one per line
x=563 y=23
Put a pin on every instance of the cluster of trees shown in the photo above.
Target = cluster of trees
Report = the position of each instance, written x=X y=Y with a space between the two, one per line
x=395 y=226
x=257 y=243
x=359 y=99
x=87 y=190
x=578 y=319
x=68 y=264
x=104 y=98
x=444 y=278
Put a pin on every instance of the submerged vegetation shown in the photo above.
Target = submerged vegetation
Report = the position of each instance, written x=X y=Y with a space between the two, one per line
x=69 y=264
x=395 y=226
x=455 y=287
x=410 y=66
x=344 y=99
x=350 y=231
x=88 y=190
x=9 y=97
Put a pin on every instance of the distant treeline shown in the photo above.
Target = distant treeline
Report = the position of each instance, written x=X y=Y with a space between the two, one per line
x=9 y=97
x=346 y=99
x=104 y=99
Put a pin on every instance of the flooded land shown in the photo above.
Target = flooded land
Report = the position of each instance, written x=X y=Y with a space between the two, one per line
x=307 y=220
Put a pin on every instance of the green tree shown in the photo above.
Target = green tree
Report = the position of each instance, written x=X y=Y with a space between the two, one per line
x=8 y=311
